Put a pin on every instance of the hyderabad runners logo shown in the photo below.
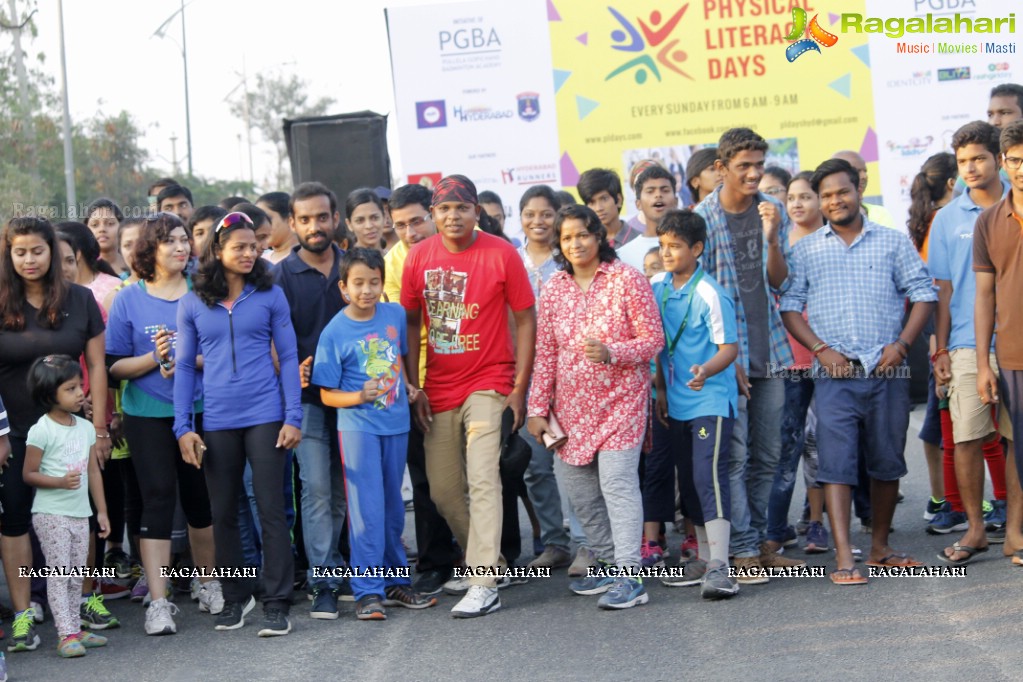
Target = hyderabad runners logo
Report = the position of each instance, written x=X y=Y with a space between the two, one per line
x=814 y=34
x=702 y=433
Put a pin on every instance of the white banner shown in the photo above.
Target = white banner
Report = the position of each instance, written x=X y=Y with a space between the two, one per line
x=474 y=90
x=926 y=86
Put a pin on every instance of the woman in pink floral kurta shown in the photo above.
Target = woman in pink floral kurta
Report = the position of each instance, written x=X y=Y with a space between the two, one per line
x=597 y=330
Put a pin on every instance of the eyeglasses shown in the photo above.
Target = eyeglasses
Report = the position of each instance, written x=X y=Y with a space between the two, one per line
x=1012 y=162
x=412 y=224
x=232 y=219
x=775 y=191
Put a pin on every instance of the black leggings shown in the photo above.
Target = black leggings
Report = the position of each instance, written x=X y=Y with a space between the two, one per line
x=224 y=465
x=124 y=501
x=161 y=472
x=16 y=496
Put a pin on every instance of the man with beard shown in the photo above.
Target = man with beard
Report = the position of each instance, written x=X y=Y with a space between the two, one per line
x=309 y=278
x=853 y=277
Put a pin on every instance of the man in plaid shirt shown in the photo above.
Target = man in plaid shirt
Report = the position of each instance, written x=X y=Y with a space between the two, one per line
x=747 y=247
x=853 y=276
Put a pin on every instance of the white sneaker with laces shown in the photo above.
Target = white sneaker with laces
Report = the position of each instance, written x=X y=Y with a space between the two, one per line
x=159 y=618
x=478 y=601
x=211 y=598
x=456 y=586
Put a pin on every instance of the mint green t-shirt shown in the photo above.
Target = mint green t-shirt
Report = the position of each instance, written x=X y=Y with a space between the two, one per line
x=65 y=448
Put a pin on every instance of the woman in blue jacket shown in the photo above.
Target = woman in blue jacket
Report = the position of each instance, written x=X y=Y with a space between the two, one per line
x=235 y=318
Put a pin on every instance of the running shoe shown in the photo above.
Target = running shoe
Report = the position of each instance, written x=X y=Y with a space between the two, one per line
x=624 y=594
x=95 y=616
x=23 y=635
x=717 y=584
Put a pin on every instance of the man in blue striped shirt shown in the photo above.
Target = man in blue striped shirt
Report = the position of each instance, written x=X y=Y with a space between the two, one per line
x=853 y=276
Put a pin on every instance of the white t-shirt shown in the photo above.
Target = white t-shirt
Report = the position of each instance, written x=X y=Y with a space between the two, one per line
x=635 y=251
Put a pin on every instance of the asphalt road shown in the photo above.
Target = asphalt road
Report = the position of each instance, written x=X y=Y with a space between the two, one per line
x=790 y=629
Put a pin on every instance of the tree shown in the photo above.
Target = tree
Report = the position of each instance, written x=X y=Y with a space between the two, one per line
x=275 y=98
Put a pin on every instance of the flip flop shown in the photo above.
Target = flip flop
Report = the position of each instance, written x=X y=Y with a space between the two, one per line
x=1017 y=558
x=970 y=552
x=895 y=560
x=847 y=576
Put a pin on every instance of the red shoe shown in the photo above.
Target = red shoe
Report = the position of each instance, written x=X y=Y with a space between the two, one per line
x=690 y=548
x=110 y=589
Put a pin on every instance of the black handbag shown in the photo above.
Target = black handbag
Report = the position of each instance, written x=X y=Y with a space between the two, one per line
x=515 y=452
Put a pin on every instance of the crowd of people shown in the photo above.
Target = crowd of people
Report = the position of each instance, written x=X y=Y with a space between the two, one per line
x=173 y=384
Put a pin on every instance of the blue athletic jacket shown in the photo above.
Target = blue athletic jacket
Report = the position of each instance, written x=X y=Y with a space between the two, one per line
x=240 y=385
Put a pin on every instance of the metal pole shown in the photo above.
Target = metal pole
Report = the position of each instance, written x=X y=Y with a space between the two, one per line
x=248 y=121
x=174 y=154
x=188 y=114
x=69 y=158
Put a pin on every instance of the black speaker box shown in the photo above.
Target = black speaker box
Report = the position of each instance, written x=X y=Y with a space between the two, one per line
x=344 y=152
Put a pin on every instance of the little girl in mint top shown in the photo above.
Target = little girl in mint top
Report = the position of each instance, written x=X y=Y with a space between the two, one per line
x=60 y=462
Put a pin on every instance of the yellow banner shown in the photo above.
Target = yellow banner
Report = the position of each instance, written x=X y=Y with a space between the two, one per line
x=639 y=79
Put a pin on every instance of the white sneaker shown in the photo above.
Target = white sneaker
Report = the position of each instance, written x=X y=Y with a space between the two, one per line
x=211 y=598
x=478 y=601
x=194 y=589
x=456 y=586
x=37 y=611
x=159 y=618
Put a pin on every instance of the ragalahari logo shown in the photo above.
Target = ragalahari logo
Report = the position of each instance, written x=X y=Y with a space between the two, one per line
x=814 y=34
x=652 y=37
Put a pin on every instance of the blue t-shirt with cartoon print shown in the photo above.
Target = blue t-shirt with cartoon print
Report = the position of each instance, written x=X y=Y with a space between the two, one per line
x=351 y=352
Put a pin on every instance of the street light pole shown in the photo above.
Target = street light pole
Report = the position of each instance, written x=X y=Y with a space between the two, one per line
x=162 y=33
x=69 y=158
x=188 y=111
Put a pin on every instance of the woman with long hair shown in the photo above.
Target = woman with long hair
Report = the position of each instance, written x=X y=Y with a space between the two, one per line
x=94 y=273
x=931 y=189
x=140 y=338
x=235 y=318
x=103 y=217
x=364 y=217
x=40 y=314
x=597 y=330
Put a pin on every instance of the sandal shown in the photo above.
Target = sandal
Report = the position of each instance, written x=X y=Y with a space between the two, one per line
x=1017 y=558
x=847 y=576
x=895 y=560
x=969 y=551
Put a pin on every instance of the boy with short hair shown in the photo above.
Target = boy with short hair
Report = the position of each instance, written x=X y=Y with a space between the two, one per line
x=655 y=196
x=601 y=190
x=359 y=369
x=997 y=240
x=697 y=394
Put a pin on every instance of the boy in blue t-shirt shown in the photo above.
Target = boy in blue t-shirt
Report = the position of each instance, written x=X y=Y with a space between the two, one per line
x=696 y=393
x=359 y=367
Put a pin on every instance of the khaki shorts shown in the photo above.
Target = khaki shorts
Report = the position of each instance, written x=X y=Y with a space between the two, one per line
x=972 y=419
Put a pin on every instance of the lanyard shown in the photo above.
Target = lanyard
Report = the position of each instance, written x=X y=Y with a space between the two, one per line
x=685 y=319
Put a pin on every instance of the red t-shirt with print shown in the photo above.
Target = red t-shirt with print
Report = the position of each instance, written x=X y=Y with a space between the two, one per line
x=465 y=299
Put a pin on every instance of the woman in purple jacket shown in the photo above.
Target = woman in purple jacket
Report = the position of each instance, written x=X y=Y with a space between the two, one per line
x=235 y=318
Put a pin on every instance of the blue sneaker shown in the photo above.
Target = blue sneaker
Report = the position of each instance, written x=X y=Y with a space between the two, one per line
x=593 y=584
x=624 y=594
x=816 y=538
x=995 y=519
x=789 y=539
x=948 y=522
x=936 y=507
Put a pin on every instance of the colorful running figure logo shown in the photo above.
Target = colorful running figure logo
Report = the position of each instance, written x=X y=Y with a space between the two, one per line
x=653 y=36
x=814 y=34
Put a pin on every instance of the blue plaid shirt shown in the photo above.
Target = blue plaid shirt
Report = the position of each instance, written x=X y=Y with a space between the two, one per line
x=855 y=295
x=718 y=260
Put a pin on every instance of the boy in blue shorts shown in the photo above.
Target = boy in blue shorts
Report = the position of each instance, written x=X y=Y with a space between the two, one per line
x=359 y=367
x=697 y=394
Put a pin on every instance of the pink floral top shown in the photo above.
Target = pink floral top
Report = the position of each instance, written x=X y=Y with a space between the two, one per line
x=600 y=406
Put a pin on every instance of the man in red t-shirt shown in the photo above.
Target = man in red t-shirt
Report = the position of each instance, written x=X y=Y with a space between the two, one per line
x=465 y=281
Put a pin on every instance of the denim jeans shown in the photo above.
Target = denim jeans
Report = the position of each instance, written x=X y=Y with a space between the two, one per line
x=756 y=449
x=542 y=487
x=798 y=395
x=323 y=491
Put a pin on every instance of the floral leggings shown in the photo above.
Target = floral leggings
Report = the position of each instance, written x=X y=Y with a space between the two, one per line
x=65 y=542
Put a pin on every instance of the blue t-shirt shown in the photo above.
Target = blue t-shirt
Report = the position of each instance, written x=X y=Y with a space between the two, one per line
x=351 y=352
x=950 y=258
x=135 y=318
x=711 y=322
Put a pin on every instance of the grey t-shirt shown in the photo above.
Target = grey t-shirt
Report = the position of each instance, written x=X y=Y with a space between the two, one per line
x=748 y=236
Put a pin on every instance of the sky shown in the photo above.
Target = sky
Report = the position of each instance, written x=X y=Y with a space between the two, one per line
x=114 y=63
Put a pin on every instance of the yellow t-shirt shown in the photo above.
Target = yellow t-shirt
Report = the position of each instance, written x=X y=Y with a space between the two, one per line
x=394 y=265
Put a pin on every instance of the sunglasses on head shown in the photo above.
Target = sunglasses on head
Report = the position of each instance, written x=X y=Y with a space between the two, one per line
x=231 y=220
